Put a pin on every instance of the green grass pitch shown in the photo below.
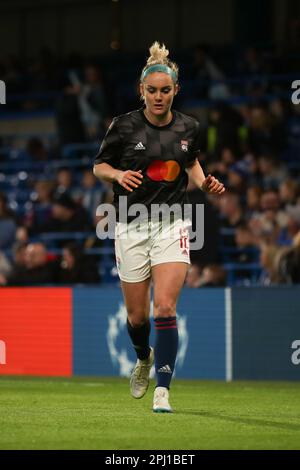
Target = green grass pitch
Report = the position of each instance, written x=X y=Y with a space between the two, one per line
x=99 y=413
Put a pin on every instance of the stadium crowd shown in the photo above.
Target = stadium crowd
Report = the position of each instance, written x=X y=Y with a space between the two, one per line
x=252 y=144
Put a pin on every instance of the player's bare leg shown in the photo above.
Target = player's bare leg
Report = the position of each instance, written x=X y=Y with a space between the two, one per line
x=168 y=279
x=137 y=301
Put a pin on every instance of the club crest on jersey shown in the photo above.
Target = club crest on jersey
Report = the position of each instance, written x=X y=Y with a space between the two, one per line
x=184 y=145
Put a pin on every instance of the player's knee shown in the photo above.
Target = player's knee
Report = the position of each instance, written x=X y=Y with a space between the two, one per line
x=164 y=310
x=136 y=320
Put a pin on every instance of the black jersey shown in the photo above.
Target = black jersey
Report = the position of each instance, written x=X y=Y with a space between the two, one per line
x=162 y=153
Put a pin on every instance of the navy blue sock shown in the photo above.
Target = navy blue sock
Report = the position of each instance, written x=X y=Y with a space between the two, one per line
x=140 y=339
x=166 y=346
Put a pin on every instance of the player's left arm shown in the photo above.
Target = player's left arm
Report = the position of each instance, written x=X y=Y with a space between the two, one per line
x=208 y=184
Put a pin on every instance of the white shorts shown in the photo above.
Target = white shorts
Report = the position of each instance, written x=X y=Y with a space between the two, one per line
x=139 y=246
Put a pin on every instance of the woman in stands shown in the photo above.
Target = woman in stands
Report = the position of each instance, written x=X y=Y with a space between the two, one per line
x=149 y=154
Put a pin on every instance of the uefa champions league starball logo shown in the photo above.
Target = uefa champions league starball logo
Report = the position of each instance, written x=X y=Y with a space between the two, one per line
x=120 y=353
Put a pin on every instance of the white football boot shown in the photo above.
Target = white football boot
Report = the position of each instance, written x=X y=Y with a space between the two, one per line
x=161 y=401
x=139 y=381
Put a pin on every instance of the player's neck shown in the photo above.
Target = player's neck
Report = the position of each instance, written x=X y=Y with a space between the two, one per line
x=159 y=121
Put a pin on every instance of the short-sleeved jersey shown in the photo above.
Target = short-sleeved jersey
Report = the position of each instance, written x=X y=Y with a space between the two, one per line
x=162 y=153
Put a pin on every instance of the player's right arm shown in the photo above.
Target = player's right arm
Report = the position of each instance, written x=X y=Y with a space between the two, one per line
x=128 y=179
x=108 y=159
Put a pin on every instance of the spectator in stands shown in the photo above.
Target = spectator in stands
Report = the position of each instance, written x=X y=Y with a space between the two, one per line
x=7 y=224
x=279 y=109
x=22 y=236
x=269 y=257
x=246 y=253
x=289 y=263
x=253 y=69
x=67 y=216
x=223 y=130
x=232 y=215
x=245 y=240
x=272 y=174
x=265 y=135
x=268 y=223
x=288 y=192
x=91 y=100
x=64 y=181
x=91 y=192
x=5 y=265
x=194 y=276
x=35 y=151
x=253 y=198
x=237 y=178
x=68 y=122
x=205 y=72
x=288 y=232
x=37 y=270
x=19 y=252
x=221 y=165
x=40 y=212
x=77 y=268
x=213 y=276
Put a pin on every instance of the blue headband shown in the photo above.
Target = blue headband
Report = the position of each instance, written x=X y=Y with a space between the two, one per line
x=160 y=68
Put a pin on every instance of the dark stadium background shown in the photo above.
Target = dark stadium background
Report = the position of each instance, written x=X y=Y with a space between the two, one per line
x=69 y=67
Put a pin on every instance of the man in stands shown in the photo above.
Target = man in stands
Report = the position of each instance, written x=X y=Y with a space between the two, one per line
x=37 y=270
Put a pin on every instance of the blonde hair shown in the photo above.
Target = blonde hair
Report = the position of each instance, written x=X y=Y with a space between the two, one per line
x=159 y=56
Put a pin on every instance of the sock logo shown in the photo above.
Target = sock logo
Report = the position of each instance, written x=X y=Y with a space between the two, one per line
x=167 y=369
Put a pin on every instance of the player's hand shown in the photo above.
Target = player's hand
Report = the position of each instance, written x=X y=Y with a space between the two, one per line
x=212 y=185
x=129 y=179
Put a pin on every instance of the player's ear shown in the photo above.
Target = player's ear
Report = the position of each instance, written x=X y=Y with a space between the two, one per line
x=177 y=89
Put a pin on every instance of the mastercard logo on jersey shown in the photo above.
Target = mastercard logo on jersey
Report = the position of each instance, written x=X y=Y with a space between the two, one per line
x=160 y=170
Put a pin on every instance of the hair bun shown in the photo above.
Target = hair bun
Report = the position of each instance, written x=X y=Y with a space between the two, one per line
x=159 y=56
x=158 y=53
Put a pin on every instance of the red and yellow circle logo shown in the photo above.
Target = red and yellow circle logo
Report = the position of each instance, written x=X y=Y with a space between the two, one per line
x=163 y=171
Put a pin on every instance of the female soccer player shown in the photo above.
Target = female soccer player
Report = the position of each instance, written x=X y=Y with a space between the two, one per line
x=149 y=154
